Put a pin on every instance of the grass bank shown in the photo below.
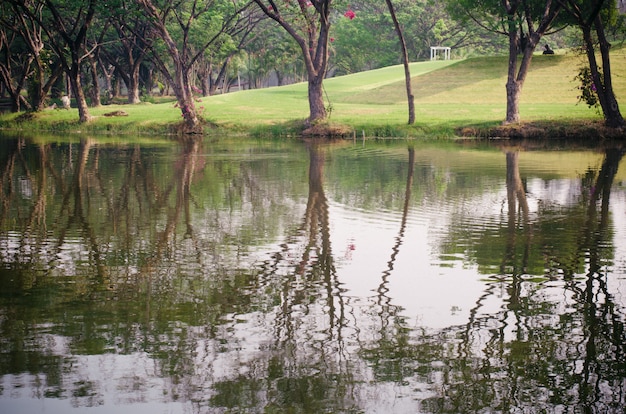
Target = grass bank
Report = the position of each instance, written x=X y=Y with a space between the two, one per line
x=452 y=97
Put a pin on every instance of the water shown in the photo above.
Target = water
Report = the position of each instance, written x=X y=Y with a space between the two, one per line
x=247 y=276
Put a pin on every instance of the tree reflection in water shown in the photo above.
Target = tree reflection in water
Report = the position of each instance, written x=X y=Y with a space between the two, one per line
x=306 y=366
x=538 y=355
x=216 y=277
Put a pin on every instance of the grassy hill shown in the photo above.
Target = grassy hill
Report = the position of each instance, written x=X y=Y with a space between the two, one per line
x=448 y=95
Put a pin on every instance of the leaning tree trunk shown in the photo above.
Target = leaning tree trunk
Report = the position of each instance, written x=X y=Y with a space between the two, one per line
x=12 y=88
x=77 y=90
x=184 y=96
x=604 y=85
x=180 y=79
x=405 y=61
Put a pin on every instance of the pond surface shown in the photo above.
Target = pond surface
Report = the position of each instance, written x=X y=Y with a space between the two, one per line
x=250 y=276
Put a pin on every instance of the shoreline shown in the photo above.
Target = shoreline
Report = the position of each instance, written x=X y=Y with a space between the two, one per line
x=51 y=123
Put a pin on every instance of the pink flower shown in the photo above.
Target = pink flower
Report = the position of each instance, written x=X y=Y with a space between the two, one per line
x=332 y=39
x=350 y=14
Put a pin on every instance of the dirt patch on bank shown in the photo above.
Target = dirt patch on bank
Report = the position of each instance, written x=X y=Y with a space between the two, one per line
x=327 y=131
x=546 y=130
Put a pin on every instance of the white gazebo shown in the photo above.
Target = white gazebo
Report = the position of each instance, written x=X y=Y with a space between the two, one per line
x=434 y=50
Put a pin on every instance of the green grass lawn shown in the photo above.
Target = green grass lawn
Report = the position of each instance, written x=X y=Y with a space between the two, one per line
x=448 y=95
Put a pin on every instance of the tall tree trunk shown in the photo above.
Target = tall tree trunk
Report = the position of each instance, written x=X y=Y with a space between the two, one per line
x=133 y=85
x=517 y=76
x=524 y=44
x=513 y=85
x=77 y=90
x=95 y=86
x=72 y=39
x=14 y=86
x=38 y=92
x=317 y=109
x=35 y=92
x=184 y=96
x=603 y=81
x=405 y=61
x=107 y=74
x=313 y=42
x=204 y=76
x=180 y=78
x=219 y=82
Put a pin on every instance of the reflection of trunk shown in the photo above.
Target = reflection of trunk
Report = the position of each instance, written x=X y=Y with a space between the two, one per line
x=79 y=216
x=516 y=194
x=307 y=259
x=310 y=271
x=7 y=189
x=38 y=214
x=383 y=300
x=601 y=192
x=186 y=166
x=316 y=216
x=516 y=200
x=405 y=211
x=602 y=324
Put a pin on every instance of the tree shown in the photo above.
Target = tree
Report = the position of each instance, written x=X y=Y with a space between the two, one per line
x=524 y=23
x=67 y=27
x=427 y=23
x=31 y=61
x=15 y=65
x=367 y=43
x=405 y=61
x=308 y=22
x=236 y=37
x=187 y=28
x=273 y=50
x=66 y=24
x=364 y=43
x=130 y=48
x=93 y=58
x=589 y=16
